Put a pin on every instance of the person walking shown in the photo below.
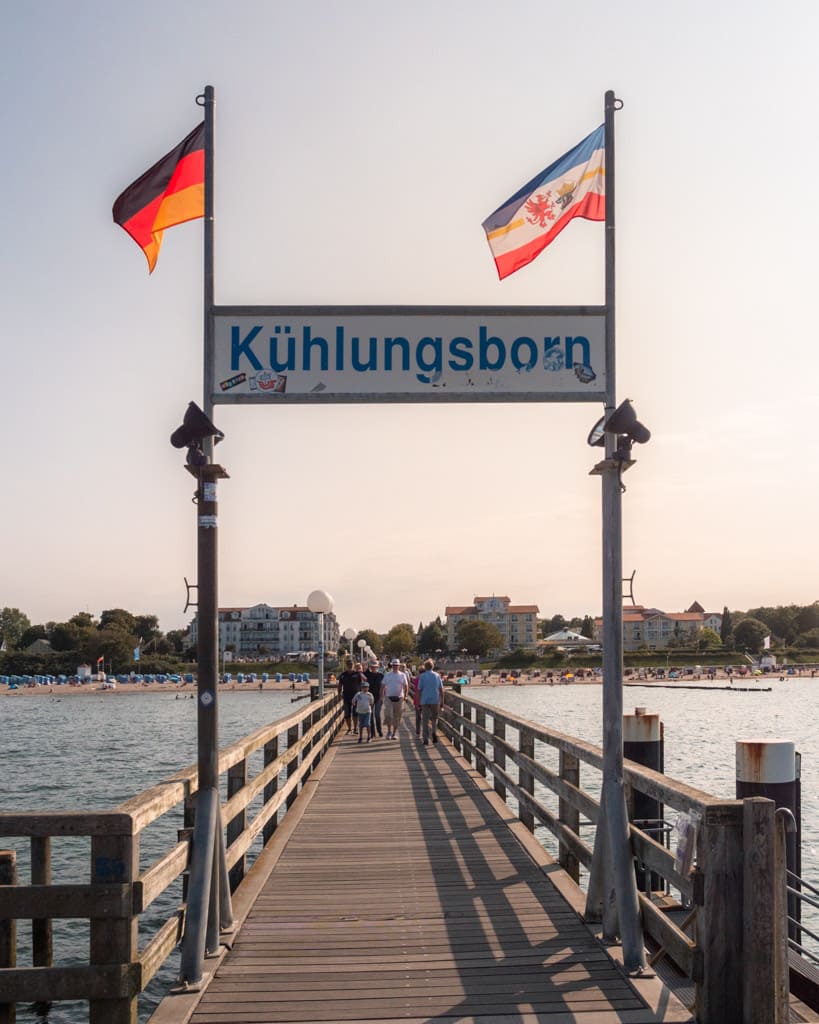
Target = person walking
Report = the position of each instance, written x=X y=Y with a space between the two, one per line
x=349 y=683
x=376 y=679
x=395 y=689
x=363 y=707
x=416 y=702
x=430 y=697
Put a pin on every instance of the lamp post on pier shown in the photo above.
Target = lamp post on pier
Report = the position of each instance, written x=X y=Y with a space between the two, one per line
x=320 y=603
x=349 y=636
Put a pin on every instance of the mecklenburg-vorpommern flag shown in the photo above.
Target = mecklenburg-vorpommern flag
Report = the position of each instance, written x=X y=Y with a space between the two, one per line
x=169 y=193
x=573 y=186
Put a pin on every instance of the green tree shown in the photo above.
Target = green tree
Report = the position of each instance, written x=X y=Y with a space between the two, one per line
x=29 y=635
x=479 y=638
x=780 y=620
x=807 y=618
x=808 y=640
x=120 y=618
x=708 y=640
x=372 y=639
x=554 y=624
x=400 y=640
x=13 y=623
x=176 y=638
x=147 y=627
x=587 y=629
x=432 y=638
x=77 y=634
x=726 y=627
x=749 y=634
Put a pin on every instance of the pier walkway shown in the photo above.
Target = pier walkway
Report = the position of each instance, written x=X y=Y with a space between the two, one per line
x=400 y=888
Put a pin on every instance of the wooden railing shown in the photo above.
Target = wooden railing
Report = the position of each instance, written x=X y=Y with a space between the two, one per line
x=119 y=890
x=732 y=890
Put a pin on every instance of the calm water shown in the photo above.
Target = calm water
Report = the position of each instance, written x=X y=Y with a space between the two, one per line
x=94 y=751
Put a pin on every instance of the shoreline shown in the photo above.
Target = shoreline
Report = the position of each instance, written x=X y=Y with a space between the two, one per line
x=189 y=689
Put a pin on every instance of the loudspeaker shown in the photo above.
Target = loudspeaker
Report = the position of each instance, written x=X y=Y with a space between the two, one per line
x=624 y=421
x=195 y=428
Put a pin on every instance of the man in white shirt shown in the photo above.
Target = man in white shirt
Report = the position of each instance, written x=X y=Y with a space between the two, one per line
x=395 y=688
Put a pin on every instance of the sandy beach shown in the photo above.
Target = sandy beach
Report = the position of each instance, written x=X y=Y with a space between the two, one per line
x=493 y=679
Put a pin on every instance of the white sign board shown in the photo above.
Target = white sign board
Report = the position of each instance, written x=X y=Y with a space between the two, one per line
x=289 y=354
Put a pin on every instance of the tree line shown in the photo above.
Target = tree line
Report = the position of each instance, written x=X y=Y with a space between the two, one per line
x=112 y=640
x=117 y=634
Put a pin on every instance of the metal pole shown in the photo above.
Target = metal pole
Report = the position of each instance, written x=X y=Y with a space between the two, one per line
x=613 y=793
x=208 y=892
x=209 y=285
x=208 y=616
x=321 y=655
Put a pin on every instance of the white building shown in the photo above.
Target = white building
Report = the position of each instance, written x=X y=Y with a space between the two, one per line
x=517 y=623
x=654 y=629
x=263 y=630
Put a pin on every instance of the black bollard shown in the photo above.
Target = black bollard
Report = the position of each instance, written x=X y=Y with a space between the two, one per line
x=643 y=742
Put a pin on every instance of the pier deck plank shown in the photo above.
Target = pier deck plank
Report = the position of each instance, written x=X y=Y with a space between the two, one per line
x=402 y=895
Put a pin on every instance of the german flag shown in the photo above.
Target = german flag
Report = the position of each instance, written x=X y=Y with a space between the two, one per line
x=169 y=193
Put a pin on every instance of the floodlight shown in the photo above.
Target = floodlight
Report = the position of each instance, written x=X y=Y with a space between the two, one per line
x=195 y=428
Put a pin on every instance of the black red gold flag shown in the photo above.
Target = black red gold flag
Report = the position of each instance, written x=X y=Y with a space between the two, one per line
x=169 y=193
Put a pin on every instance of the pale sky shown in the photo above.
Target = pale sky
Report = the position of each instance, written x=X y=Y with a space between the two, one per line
x=359 y=146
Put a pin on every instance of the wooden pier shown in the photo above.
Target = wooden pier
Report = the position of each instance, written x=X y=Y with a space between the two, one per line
x=393 y=881
x=408 y=891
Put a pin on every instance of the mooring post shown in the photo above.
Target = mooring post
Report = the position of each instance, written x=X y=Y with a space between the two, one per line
x=643 y=743
x=771 y=768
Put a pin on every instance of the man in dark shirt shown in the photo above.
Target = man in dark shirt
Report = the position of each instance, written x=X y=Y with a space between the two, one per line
x=374 y=678
x=349 y=683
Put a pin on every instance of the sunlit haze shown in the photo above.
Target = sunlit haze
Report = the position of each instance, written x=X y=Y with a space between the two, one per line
x=359 y=146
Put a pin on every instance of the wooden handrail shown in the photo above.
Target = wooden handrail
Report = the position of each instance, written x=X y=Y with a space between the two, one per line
x=119 y=892
x=724 y=886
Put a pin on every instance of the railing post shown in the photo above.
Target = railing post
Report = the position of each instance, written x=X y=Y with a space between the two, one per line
x=526 y=780
x=292 y=765
x=785 y=822
x=114 y=858
x=458 y=709
x=8 y=931
x=758 y=912
x=270 y=753
x=480 y=742
x=42 y=943
x=719 y=914
x=236 y=781
x=498 y=754
x=568 y=815
x=466 y=731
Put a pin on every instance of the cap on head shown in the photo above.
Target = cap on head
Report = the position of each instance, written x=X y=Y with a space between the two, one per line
x=395 y=661
x=365 y=685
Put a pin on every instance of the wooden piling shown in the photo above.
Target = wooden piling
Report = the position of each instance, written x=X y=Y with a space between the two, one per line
x=8 y=931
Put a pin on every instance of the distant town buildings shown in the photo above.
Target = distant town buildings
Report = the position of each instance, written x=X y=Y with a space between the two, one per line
x=265 y=630
x=517 y=623
x=657 y=630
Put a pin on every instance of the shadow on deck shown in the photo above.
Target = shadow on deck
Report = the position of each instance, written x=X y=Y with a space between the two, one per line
x=401 y=888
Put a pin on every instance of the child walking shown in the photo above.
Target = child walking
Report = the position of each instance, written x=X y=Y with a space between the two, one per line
x=362 y=709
